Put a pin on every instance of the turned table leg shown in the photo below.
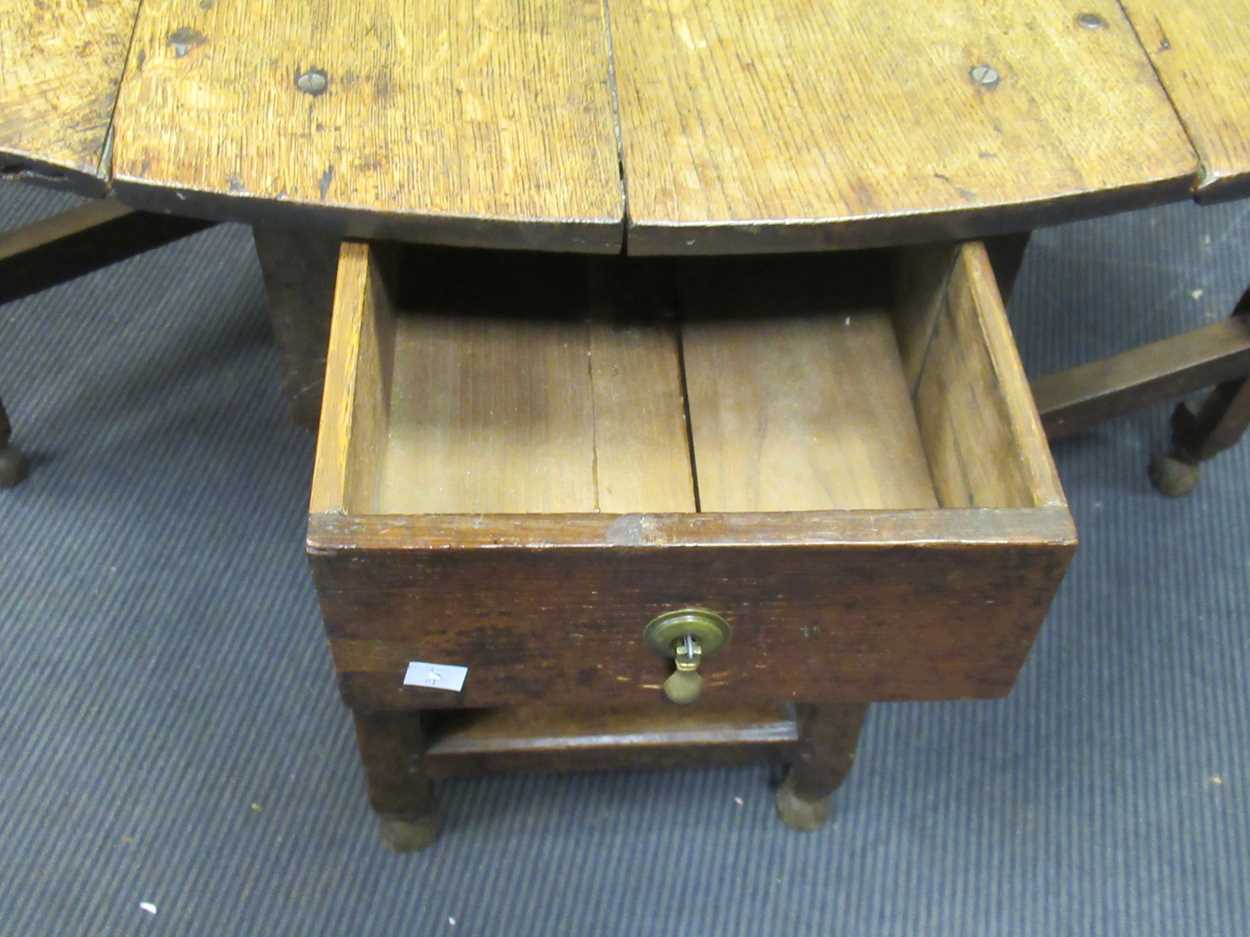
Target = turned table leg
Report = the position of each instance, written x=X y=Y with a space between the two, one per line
x=1198 y=435
x=392 y=750
x=13 y=465
x=299 y=269
x=828 y=735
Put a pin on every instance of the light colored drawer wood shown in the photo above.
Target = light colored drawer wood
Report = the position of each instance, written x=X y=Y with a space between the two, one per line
x=525 y=458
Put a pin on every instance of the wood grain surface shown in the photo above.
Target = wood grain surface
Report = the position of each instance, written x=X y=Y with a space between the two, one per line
x=516 y=391
x=1072 y=401
x=976 y=414
x=491 y=415
x=1202 y=54
x=486 y=122
x=793 y=125
x=298 y=266
x=920 y=278
x=510 y=416
x=549 y=738
x=642 y=452
x=742 y=126
x=354 y=419
x=803 y=412
x=819 y=538
x=826 y=606
x=61 y=62
x=58 y=227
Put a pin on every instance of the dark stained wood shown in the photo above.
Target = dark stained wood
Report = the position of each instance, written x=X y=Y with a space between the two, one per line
x=1007 y=257
x=1074 y=400
x=334 y=538
x=392 y=749
x=299 y=265
x=1216 y=425
x=816 y=531
x=895 y=230
x=824 y=605
x=828 y=736
x=86 y=238
x=827 y=604
x=546 y=738
x=13 y=464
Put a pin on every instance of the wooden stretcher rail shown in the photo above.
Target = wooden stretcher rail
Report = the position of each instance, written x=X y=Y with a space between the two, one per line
x=571 y=739
x=1074 y=400
x=75 y=242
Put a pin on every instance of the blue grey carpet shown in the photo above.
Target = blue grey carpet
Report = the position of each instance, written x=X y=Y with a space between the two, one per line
x=170 y=733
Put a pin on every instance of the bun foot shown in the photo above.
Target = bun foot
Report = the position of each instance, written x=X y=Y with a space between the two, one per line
x=13 y=466
x=402 y=834
x=1172 y=476
x=798 y=813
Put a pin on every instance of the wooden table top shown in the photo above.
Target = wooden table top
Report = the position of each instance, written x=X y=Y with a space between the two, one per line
x=1201 y=51
x=654 y=126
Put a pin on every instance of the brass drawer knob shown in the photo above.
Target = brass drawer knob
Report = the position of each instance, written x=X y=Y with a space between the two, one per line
x=687 y=636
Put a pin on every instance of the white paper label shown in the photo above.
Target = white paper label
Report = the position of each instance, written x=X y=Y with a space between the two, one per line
x=435 y=676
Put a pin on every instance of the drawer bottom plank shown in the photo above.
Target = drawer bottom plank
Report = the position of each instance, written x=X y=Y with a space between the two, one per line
x=803 y=412
x=541 y=739
x=502 y=412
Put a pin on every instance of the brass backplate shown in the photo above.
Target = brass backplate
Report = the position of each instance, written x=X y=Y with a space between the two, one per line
x=708 y=628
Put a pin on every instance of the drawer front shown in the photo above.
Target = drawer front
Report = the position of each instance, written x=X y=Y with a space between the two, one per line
x=910 y=552
x=867 y=607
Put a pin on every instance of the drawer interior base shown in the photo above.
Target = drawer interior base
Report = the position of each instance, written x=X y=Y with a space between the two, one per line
x=760 y=385
x=515 y=416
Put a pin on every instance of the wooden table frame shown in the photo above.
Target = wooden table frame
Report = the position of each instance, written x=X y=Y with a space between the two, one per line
x=817 y=742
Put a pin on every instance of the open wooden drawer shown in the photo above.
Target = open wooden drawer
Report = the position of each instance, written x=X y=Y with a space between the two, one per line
x=523 y=459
